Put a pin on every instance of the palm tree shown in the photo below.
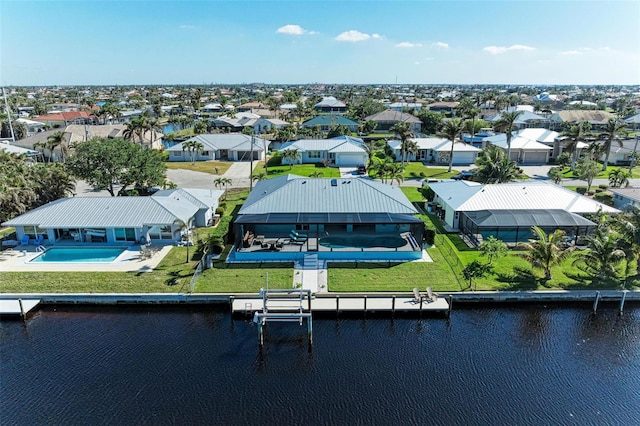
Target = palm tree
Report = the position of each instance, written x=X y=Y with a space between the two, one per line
x=452 y=128
x=291 y=155
x=200 y=127
x=614 y=126
x=222 y=182
x=575 y=135
x=153 y=125
x=316 y=174
x=396 y=174
x=402 y=131
x=259 y=176
x=194 y=148
x=56 y=140
x=544 y=250
x=619 y=177
x=506 y=124
x=469 y=110
x=135 y=129
x=493 y=166
x=603 y=255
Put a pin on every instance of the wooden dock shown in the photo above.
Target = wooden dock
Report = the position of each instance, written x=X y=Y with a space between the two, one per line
x=337 y=304
x=17 y=306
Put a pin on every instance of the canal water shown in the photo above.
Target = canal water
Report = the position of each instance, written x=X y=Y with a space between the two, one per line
x=533 y=365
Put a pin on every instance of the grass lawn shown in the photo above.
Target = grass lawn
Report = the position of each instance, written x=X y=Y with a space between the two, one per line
x=412 y=193
x=298 y=169
x=171 y=276
x=6 y=231
x=245 y=277
x=200 y=166
x=416 y=169
x=568 y=174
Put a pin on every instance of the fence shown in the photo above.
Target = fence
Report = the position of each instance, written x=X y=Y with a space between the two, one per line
x=451 y=257
x=198 y=272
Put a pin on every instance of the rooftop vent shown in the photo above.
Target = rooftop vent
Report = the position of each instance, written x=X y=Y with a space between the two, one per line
x=334 y=182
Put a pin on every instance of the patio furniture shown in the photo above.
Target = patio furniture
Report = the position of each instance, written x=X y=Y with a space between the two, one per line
x=25 y=240
x=417 y=296
x=431 y=296
x=38 y=241
x=296 y=239
x=298 y=234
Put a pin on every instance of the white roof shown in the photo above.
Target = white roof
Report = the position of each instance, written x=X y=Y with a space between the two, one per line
x=436 y=144
x=29 y=122
x=12 y=149
x=331 y=145
x=526 y=139
x=525 y=195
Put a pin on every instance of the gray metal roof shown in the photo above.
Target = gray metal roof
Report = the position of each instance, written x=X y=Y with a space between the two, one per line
x=391 y=115
x=297 y=194
x=203 y=198
x=106 y=212
x=526 y=218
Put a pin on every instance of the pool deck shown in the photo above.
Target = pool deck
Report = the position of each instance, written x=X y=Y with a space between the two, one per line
x=18 y=260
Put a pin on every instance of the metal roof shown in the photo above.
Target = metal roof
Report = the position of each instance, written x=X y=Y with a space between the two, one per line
x=310 y=218
x=106 y=212
x=331 y=145
x=234 y=142
x=525 y=195
x=329 y=119
x=392 y=115
x=297 y=194
x=526 y=218
x=436 y=144
x=203 y=198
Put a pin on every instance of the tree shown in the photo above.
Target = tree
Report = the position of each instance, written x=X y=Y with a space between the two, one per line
x=493 y=248
x=587 y=169
x=403 y=132
x=493 y=166
x=468 y=109
x=603 y=255
x=506 y=124
x=614 y=126
x=544 y=251
x=193 y=147
x=222 y=182
x=200 y=127
x=291 y=156
x=556 y=175
x=259 y=176
x=432 y=121
x=316 y=174
x=576 y=134
x=452 y=128
x=105 y=163
x=619 y=177
x=135 y=129
x=475 y=269
x=184 y=227
x=58 y=139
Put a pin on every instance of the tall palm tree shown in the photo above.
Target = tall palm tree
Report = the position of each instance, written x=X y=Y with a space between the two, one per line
x=451 y=130
x=56 y=140
x=154 y=127
x=200 y=127
x=545 y=251
x=193 y=147
x=291 y=155
x=468 y=110
x=222 y=182
x=575 y=135
x=603 y=255
x=135 y=130
x=403 y=131
x=506 y=124
x=613 y=127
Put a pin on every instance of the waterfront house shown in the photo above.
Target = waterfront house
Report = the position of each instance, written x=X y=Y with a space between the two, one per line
x=386 y=119
x=64 y=118
x=290 y=217
x=159 y=218
x=436 y=151
x=509 y=210
x=233 y=147
x=330 y=104
x=447 y=108
x=341 y=151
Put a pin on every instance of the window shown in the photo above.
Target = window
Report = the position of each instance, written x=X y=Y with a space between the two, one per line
x=314 y=154
x=177 y=153
x=125 y=234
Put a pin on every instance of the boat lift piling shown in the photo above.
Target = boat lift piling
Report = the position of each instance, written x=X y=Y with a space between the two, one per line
x=624 y=296
x=595 y=302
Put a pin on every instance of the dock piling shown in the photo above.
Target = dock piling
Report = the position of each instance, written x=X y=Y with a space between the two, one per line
x=450 y=306
x=595 y=302
x=365 y=305
x=393 y=305
x=337 y=305
x=24 y=315
x=624 y=296
x=310 y=330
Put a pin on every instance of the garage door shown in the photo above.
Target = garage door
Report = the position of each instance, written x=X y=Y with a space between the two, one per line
x=535 y=157
x=246 y=155
x=350 y=160
x=464 y=157
x=514 y=155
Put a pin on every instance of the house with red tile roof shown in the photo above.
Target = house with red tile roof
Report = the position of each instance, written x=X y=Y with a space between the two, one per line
x=63 y=119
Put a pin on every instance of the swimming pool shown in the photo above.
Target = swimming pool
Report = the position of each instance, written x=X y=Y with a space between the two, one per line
x=362 y=241
x=80 y=254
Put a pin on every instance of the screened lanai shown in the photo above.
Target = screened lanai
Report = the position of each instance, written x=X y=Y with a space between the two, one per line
x=513 y=226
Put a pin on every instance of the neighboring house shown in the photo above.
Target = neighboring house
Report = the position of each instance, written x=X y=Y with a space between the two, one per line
x=437 y=151
x=237 y=121
x=251 y=106
x=64 y=118
x=115 y=219
x=525 y=147
x=626 y=198
x=234 y=147
x=401 y=106
x=33 y=127
x=330 y=104
x=595 y=117
x=633 y=122
x=290 y=218
x=127 y=115
x=325 y=121
x=509 y=210
x=525 y=120
x=622 y=154
x=341 y=151
x=16 y=150
x=80 y=133
x=268 y=125
x=448 y=108
x=207 y=201
x=211 y=109
x=385 y=120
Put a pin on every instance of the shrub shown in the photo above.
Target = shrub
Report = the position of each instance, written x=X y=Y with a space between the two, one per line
x=599 y=190
x=429 y=236
x=604 y=198
x=590 y=193
x=427 y=192
x=220 y=211
x=581 y=190
x=603 y=186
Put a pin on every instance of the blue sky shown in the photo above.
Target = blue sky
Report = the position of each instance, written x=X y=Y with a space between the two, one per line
x=425 y=42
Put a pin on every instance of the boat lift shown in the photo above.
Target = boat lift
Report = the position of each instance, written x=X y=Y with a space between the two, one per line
x=284 y=306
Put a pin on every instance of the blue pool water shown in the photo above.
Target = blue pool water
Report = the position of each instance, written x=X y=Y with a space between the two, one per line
x=363 y=241
x=80 y=254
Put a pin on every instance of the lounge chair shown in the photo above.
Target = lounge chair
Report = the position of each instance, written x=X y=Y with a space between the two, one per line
x=431 y=296
x=297 y=240
x=417 y=296
x=25 y=240
x=298 y=234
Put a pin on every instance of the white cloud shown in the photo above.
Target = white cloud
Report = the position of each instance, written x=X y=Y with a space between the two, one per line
x=353 y=36
x=440 y=45
x=292 y=29
x=498 y=50
x=571 y=53
x=408 y=44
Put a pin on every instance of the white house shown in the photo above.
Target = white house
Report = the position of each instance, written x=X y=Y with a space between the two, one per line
x=32 y=126
x=437 y=151
x=626 y=198
x=234 y=147
x=340 y=151
x=528 y=146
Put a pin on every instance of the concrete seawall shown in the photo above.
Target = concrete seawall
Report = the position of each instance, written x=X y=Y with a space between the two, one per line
x=479 y=297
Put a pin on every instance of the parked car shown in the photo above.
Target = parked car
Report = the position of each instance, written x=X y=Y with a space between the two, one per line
x=362 y=170
x=463 y=175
